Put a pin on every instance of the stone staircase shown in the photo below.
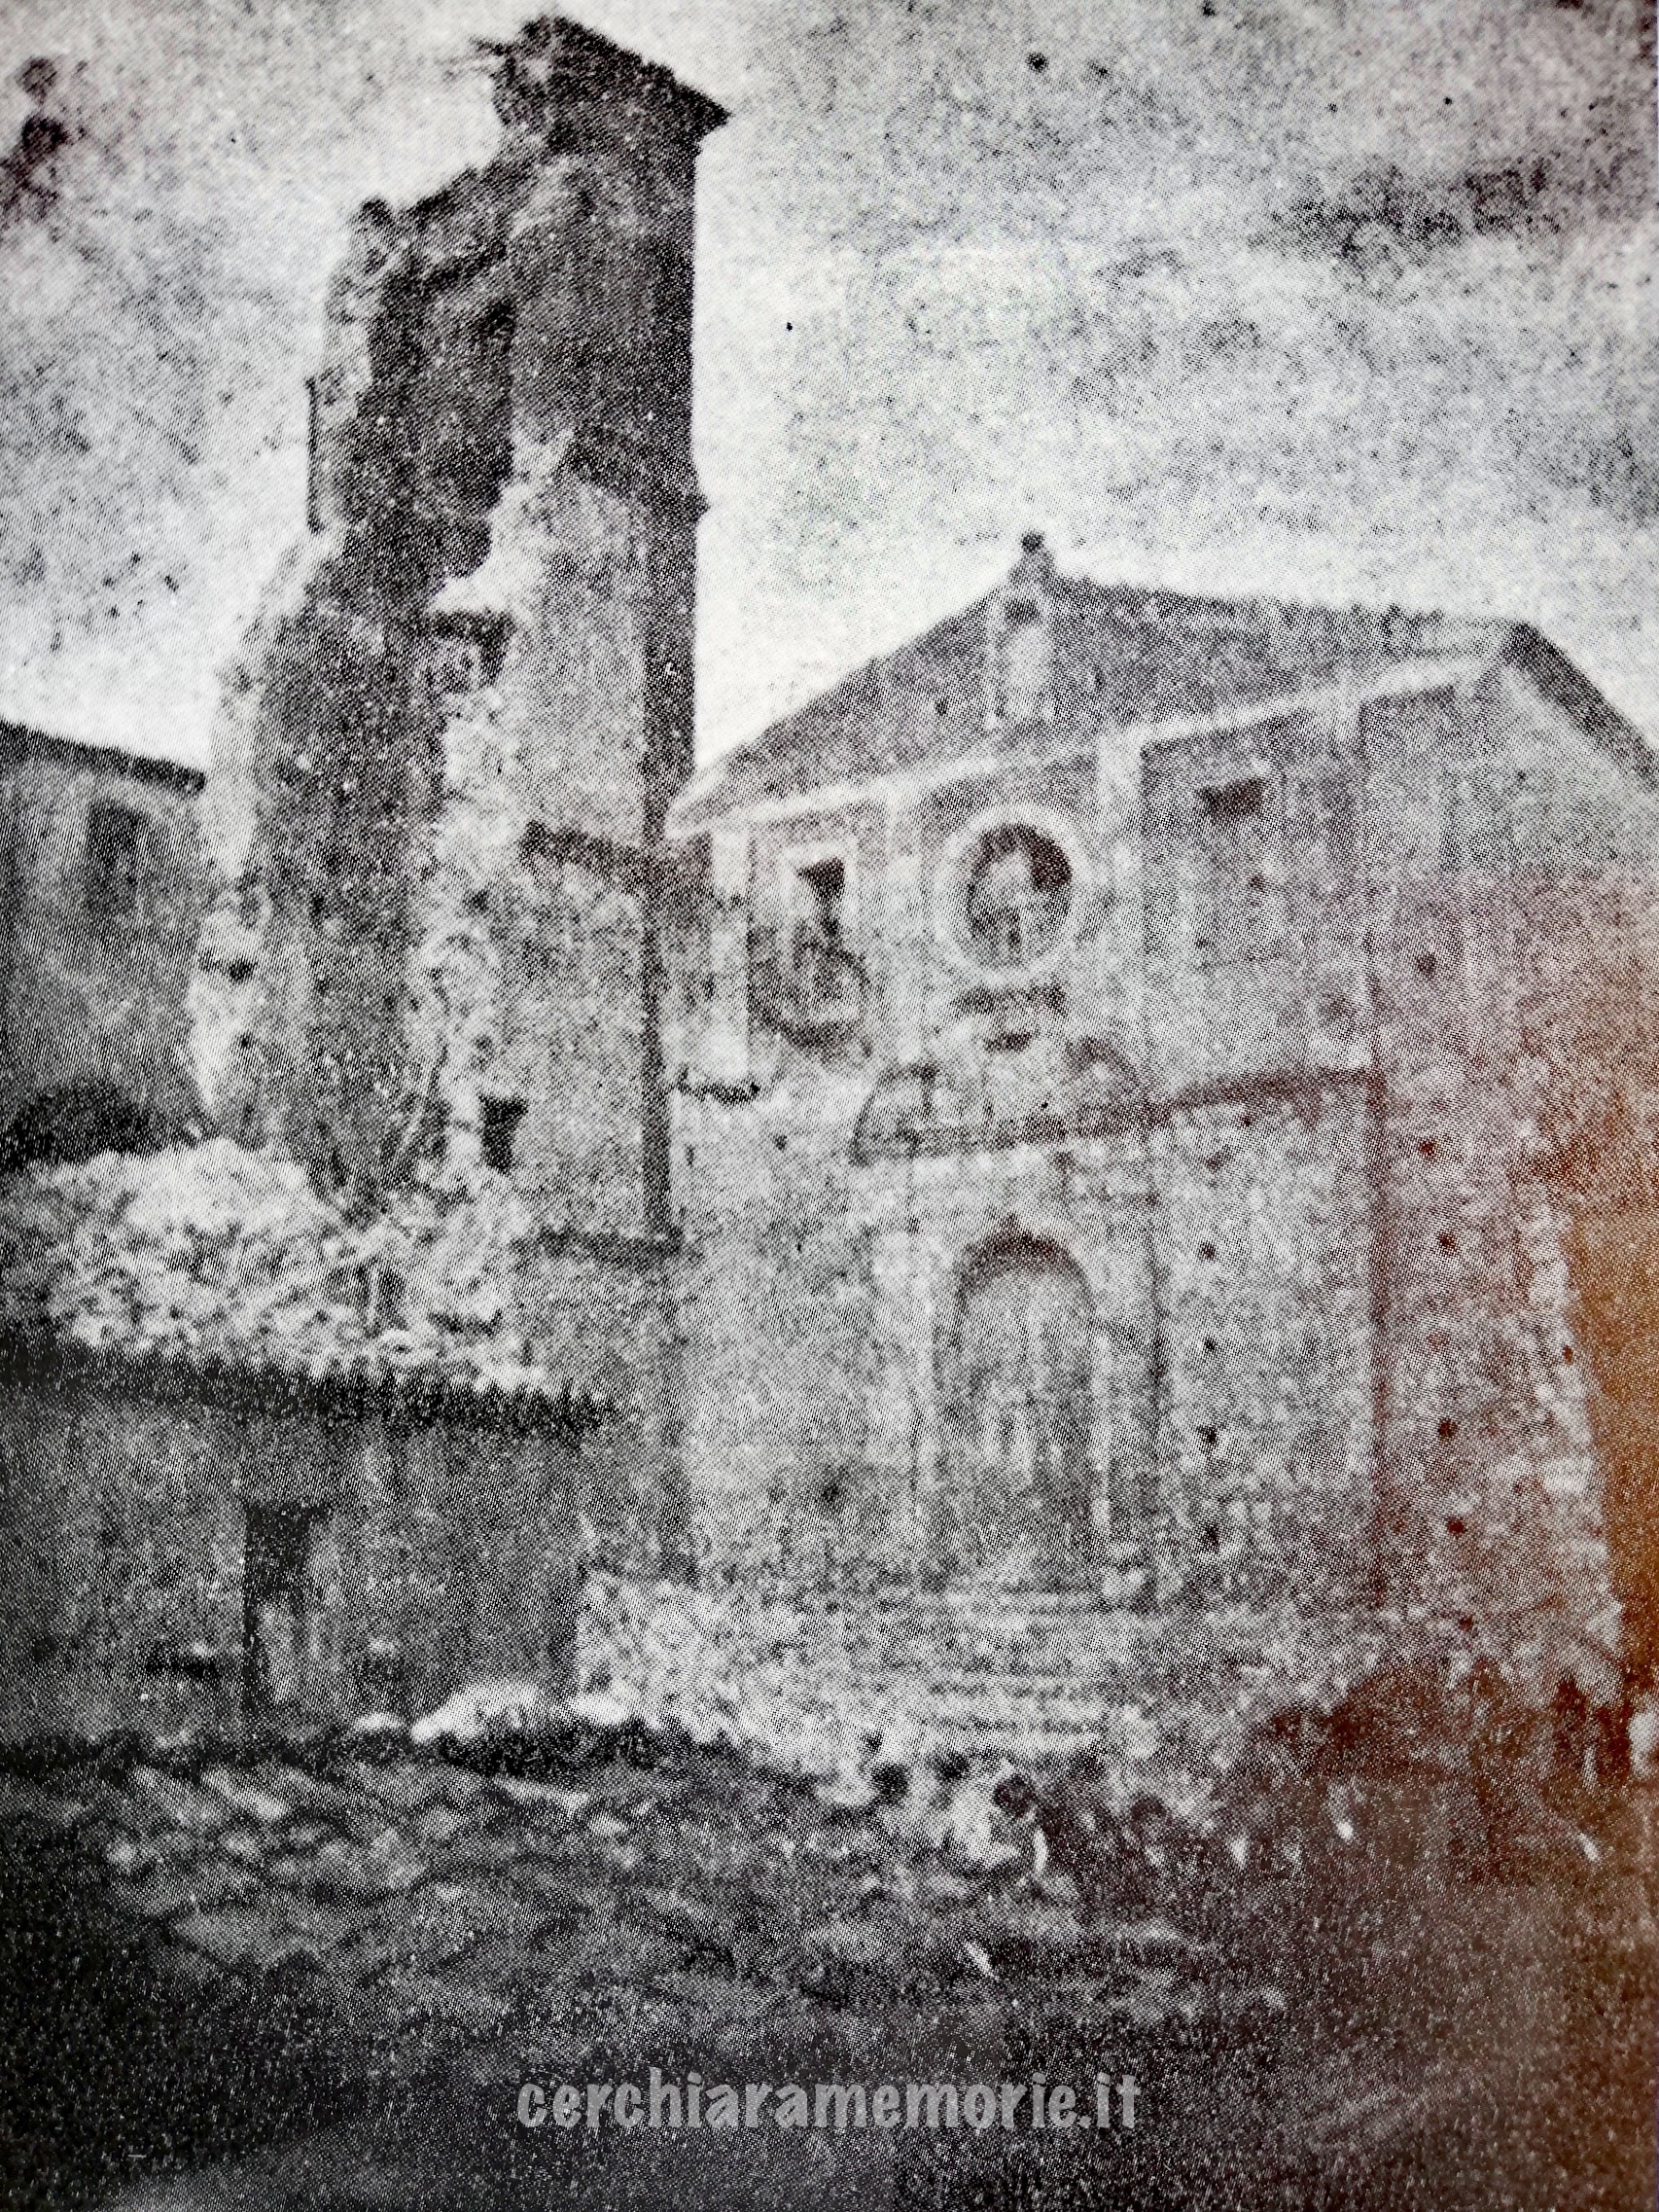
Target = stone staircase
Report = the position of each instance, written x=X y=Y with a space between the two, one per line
x=1027 y=1674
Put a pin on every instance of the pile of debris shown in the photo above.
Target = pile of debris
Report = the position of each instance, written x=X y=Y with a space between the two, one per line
x=583 y=1880
x=213 y=1252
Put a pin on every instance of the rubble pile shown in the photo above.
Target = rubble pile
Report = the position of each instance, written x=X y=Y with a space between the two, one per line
x=593 y=1883
x=215 y=1253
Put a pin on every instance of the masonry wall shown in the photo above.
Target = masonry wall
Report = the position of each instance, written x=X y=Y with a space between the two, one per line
x=86 y=997
x=1255 y=959
x=777 y=1311
x=1349 y=1288
x=1267 y=1449
x=1491 y=1510
x=1581 y=861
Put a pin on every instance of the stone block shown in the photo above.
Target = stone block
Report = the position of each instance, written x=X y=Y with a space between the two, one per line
x=172 y=1890
x=365 y=1873
x=405 y=1788
x=528 y=1796
x=241 y=1794
x=440 y=1824
x=258 y=1941
x=197 y=1813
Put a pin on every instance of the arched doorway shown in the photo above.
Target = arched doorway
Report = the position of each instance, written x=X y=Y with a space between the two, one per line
x=1019 y=1394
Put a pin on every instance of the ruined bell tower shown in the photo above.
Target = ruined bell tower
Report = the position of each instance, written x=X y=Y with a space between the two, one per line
x=469 y=702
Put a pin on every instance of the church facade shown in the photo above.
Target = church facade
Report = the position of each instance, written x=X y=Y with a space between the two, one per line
x=1125 y=1246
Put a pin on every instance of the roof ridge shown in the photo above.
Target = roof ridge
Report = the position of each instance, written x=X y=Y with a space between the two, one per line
x=1135 y=653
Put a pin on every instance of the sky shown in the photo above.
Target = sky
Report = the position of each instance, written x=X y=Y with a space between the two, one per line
x=1329 y=299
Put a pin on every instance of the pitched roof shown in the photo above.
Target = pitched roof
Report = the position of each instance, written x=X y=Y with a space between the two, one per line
x=20 y=741
x=1123 y=656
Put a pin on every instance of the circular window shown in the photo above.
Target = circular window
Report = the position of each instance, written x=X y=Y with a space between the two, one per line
x=1016 y=893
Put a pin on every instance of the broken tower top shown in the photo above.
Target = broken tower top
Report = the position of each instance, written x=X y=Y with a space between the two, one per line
x=556 y=63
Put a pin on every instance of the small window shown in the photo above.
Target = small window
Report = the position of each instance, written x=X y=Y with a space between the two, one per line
x=499 y=1132
x=1233 y=803
x=824 y=888
x=822 y=978
x=465 y=652
x=1236 y=911
x=116 y=838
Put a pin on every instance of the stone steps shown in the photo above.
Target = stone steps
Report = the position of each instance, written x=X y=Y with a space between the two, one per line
x=982 y=1670
x=1021 y=1741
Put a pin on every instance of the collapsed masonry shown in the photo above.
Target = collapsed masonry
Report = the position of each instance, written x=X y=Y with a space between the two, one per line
x=446 y=764
x=433 y=976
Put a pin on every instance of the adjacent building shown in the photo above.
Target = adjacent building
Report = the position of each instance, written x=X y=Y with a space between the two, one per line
x=101 y=896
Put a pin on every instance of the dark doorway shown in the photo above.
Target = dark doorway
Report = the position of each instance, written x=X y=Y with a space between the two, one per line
x=290 y=1611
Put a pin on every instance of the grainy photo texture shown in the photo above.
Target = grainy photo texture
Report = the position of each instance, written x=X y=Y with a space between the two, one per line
x=828 y=1105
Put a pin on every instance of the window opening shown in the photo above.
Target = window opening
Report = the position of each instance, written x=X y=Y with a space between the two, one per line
x=1235 y=918
x=499 y=1132
x=1018 y=894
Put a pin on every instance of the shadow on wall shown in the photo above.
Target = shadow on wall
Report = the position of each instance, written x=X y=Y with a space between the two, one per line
x=77 y=1123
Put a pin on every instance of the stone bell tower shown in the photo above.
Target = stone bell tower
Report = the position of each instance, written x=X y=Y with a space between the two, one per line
x=469 y=703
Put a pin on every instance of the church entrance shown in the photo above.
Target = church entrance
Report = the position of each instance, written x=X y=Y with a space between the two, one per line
x=1019 y=1394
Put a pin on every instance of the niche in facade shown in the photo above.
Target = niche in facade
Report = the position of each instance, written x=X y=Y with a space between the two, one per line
x=808 y=981
x=914 y=1110
x=498 y=1132
x=1238 y=835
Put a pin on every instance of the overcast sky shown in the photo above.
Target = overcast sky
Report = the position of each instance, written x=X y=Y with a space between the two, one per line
x=1330 y=298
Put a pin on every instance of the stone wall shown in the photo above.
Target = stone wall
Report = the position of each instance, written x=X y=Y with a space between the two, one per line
x=454 y=1547
x=1266 y=1446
